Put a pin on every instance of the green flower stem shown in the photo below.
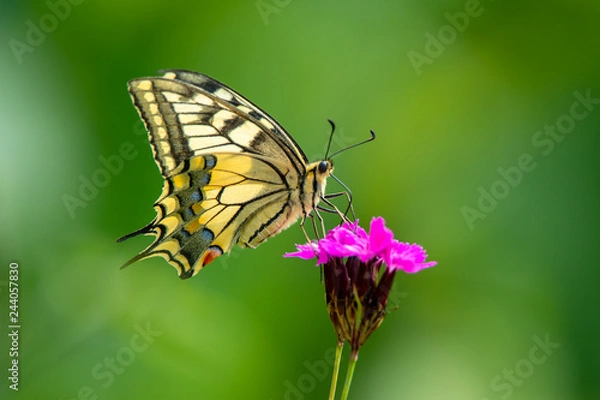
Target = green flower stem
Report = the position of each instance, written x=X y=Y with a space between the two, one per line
x=336 y=369
x=349 y=374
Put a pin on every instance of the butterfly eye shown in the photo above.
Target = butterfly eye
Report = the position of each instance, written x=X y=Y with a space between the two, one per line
x=323 y=167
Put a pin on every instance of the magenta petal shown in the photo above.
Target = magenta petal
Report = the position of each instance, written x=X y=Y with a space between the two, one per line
x=421 y=266
x=380 y=237
x=343 y=241
x=409 y=258
x=353 y=227
x=305 y=251
x=323 y=258
x=413 y=268
x=345 y=248
x=350 y=240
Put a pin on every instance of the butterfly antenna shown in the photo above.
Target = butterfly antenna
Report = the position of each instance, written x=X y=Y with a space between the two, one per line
x=354 y=145
x=330 y=138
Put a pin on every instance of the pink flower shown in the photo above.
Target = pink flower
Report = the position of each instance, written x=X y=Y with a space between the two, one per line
x=359 y=270
x=350 y=240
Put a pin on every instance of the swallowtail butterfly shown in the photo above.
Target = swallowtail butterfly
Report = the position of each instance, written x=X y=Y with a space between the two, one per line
x=231 y=173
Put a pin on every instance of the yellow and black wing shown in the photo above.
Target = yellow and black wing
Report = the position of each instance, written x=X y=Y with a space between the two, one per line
x=231 y=172
x=187 y=113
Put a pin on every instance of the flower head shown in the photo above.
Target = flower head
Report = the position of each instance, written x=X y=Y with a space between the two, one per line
x=350 y=240
x=359 y=270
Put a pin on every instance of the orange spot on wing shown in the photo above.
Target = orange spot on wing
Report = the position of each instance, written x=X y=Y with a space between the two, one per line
x=210 y=255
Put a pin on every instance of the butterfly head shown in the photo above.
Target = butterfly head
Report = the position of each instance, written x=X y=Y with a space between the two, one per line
x=325 y=168
x=320 y=170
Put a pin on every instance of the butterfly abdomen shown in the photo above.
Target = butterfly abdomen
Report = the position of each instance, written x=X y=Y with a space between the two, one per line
x=304 y=194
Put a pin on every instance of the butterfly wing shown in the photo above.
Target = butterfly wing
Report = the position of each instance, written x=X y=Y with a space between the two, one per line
x=187 y=113
x=231 y=172
x=230 y=99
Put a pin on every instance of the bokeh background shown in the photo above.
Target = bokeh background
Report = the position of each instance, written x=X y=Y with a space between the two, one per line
x=254 y=326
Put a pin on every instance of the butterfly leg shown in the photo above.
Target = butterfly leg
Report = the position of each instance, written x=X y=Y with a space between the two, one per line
x=346 y=192
x=348 y=195
x=321 y=220
x=334 y=209
x=303 y=227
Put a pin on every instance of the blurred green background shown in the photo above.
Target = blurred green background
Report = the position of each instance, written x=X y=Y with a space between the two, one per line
x=449 y=112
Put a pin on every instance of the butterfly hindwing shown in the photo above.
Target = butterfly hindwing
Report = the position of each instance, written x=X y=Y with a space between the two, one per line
x=211 y=202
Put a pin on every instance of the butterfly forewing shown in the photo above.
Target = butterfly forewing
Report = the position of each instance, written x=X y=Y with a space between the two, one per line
x=236 y=103
x=185 y=119
x=232 y=174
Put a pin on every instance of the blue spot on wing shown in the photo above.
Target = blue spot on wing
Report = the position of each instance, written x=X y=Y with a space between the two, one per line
x=207 y=235
x=205 y=179
x=196 y=196
x=211 y=161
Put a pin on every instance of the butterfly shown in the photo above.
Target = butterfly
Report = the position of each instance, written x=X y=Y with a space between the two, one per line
x=231 y=173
